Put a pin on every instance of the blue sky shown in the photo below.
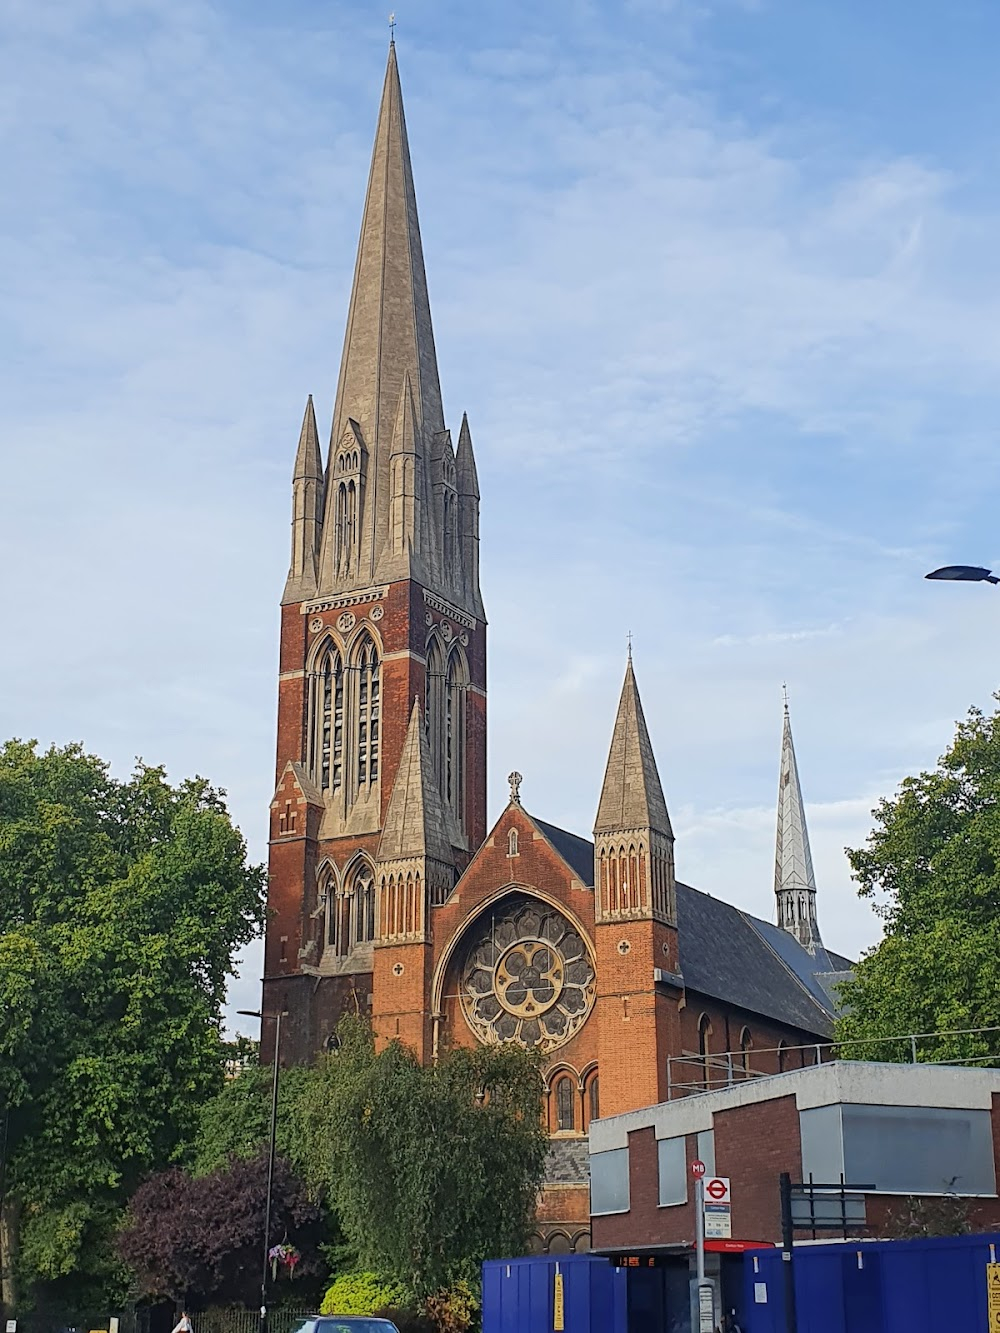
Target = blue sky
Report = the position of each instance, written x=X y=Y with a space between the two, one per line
x=716 y=281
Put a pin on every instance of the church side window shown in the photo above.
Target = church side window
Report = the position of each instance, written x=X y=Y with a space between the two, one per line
x=565 y=1104
x=594 y=1095
x=368 y=713
x=782 y=1056
x=746 y=1046
x=704 y=1049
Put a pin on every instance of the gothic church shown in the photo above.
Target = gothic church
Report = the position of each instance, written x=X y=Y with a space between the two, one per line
x=388 y=895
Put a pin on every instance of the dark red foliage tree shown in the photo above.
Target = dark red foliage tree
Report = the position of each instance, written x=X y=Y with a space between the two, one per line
x=198 y=1240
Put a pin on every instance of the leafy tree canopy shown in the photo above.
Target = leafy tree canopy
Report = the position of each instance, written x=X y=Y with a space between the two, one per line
x=429 y=1168
x=931 y=867
x=236 y=1122
x=197 y=1239
x=122 y=906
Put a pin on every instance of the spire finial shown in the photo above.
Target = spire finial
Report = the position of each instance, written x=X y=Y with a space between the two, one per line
x=515 y=781
x=392 y=29
x=784 y=695
x=629 y=637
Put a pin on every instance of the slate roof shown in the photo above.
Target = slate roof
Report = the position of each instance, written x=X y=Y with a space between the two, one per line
x=577 y=852
x=730 y=955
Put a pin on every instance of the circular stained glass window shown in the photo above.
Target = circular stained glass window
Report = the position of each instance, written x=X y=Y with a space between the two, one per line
x=527 y=976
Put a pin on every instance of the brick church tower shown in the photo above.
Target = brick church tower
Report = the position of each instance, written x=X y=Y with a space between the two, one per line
x=381 y=754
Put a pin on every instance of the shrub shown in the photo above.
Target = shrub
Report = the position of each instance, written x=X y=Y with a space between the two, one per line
x=453 y=1310
x=359 y=1293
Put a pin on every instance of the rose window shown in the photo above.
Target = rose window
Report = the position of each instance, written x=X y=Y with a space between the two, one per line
x=527 y=976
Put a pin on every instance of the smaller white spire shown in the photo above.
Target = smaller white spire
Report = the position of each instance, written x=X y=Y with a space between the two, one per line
x=794 y=878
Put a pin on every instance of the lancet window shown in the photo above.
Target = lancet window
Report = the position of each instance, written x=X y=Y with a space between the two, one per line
x=347 y=522
x=350 y=911
x=454 y=734
x=746 y=1046
x=565 y=1103
x=704 y=1049
x=447 y=685
x=594 y=1095
x=326 y=732
x=368 y=716
x=363 y=905
x=434 y=708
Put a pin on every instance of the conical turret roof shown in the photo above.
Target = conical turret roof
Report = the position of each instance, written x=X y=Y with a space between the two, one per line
x=308 y=459
x=632 y=797
x=416 y=821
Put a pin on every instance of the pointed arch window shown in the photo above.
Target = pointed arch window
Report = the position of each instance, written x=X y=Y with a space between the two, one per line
x=450 y=529
x=434 y=710
x=746 y=1046
x=326 y=732
x=565 y=1104
x=704 y=1049
x=454 y=734
x=368 y=720
x=332 y=902
x=594 y=1098
x=512 y=843
x=363 y=905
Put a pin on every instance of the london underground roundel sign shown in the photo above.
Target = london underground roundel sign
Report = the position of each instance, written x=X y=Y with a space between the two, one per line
x=717 y=1190
x=697 y=1169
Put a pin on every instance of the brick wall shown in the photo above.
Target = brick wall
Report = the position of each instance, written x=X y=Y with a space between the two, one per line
x=753 y=1146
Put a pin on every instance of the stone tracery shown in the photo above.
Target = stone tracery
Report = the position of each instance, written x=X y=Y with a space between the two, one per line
x=527 y=976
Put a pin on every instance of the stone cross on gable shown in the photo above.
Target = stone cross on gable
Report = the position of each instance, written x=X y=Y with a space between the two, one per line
x=515 y=781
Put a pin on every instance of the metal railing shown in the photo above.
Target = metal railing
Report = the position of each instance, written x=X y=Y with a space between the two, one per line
x=232 y=1319
x=694 y=1072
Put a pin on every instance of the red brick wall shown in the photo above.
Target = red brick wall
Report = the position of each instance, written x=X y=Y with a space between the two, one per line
x=402 y=629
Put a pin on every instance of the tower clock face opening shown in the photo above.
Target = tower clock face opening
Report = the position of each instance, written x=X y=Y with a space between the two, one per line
x=527 y=975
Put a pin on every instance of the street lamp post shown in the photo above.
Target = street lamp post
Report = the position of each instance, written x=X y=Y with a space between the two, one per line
x=256 y=1013
x=963 y=574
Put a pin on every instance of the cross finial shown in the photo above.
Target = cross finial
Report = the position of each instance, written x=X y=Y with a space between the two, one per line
x=784 y=695
x=392 y=29
x=629 y=637
x=515 y=781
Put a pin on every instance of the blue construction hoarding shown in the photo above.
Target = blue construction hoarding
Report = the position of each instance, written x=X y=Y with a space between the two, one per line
x=905 y=1286
x=938 y=1285
x=577 y=1293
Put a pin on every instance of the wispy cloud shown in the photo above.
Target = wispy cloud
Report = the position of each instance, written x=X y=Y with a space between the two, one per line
x=729 y=347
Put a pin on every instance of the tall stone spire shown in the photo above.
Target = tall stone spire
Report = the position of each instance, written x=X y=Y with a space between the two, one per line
x=389 y=338
x=307 y=509
x=633 y=837
x=794 y=879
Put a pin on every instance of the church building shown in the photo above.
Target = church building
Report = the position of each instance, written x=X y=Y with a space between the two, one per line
x=388 y=894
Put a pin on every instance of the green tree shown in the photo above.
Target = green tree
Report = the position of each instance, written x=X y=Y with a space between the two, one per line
x=931 y=867
x=236 y=1122
x=430 y=1168
x=122 y=906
